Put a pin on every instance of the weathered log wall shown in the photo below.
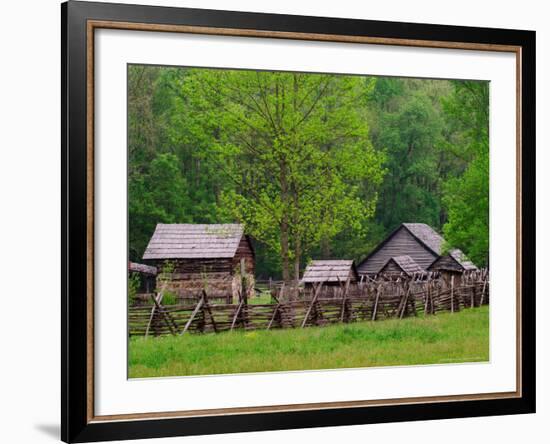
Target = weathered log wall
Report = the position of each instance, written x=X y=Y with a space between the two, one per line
x=221 y=278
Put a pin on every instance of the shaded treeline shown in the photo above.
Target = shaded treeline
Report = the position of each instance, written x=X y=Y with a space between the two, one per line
x=314 y=165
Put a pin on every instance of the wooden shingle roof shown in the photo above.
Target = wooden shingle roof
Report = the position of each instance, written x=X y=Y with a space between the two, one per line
x=406 y=264
x=462 y=260
x=330 y=271
x=194 y=241
x=427 y=235
x=134 y=267
x=455 y=260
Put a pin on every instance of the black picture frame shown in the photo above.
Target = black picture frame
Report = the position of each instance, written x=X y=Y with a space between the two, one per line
x=76 y=423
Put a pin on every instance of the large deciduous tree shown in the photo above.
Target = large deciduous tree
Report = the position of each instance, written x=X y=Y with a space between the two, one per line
x=296 y=148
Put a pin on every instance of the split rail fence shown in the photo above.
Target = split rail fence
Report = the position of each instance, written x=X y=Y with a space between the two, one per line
x=323 y=304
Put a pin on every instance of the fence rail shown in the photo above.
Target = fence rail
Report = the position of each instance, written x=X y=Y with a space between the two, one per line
x=320 y=305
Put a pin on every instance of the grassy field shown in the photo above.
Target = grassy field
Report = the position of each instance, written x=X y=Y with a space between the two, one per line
x=445 y=338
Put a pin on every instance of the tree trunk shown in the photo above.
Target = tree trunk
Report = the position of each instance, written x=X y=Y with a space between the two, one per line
x=297 y=257
x=284 y=250
x=284 y=223
x=325 y=247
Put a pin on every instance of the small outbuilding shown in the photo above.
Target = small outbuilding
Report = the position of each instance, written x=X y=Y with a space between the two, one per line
x=399 y=265
x=213 y=257
x=147 y=276
x=330 y=273
x=454 y=262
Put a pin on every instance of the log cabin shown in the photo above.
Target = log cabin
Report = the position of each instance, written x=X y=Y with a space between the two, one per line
x=418 y=241
x=210 y=257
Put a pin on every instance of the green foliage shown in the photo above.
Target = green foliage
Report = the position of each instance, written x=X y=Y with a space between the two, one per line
x=165 y=274
x=134 y=282
x=158 y=195
x=408 y=125
x=467 y=198
x=445 y=338
x=315 y=166
x=467 y=195
x=296 y=149
x=164 y=277
x=169 y=298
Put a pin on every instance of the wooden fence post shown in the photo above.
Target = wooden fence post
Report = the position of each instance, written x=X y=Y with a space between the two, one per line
x=207 y=306
x=452 y=293
x=236 y=315
x=195 y=311
x=482 y=299
x=275 y=311
x=153 y=309
x=165 y=315
x=405 y=298
x=343 y=317
x=244 y=289
x=317 y=291
x=376 y=303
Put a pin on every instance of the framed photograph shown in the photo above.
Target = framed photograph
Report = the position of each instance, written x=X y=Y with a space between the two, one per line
x=276 y=221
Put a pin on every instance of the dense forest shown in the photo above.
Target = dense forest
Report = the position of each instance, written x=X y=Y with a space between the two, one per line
x=314 y=165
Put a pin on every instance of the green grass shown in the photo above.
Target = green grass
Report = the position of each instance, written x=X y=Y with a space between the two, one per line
x=262 y=298
x=444 y=338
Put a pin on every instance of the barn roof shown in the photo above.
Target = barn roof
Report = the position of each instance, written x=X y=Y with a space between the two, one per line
x=194 y=241
x=462 y=260
x=134 y=267
x=330 y=271
x=406 y=263
x=454 y=256
x=427 y=235
x=423 y=233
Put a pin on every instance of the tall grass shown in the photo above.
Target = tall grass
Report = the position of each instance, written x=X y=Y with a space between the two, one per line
x=444 y=338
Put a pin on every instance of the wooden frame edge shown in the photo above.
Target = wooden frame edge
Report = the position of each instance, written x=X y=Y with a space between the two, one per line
x=235 y=32
x=92 y=25
x=283 y=408
x=90 y=208
x=89 y=180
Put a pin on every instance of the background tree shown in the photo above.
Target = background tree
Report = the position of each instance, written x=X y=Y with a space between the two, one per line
x=408 y=125
x=157 y=196
x=467 y=194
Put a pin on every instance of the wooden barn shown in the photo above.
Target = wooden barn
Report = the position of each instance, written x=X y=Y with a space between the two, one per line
x=400 y=265
x=206 y=256
x=330 y=273
x=454 y=262
x=418 y=241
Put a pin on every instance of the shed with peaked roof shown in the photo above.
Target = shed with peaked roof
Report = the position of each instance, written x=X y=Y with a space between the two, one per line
x=418 y=241
x=202 y=256
x=399 y=265
x=146 y=275
x=330 y=272
x=455 y=261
